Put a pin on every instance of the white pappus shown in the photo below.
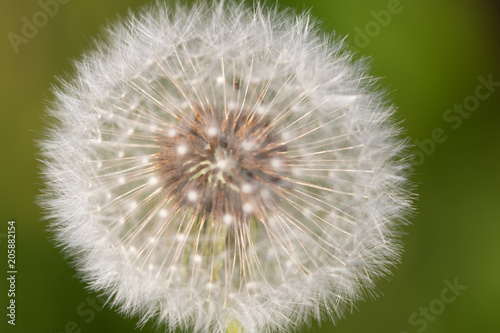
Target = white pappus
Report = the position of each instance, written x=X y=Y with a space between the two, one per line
x=225 y=168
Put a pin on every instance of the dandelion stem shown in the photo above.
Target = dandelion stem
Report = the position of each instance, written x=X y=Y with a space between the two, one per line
x=234 y=326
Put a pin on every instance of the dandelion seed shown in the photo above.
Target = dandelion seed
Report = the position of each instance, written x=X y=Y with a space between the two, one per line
x=163 y=213
x=182 y=149
x=221 y=167
x=153 y=180
x=227 y=219
x=192 y=196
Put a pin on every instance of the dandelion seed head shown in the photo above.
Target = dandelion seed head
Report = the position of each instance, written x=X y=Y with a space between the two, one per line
x=217 y=165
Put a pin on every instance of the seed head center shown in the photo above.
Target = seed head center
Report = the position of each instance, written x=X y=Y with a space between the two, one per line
x=227 y=166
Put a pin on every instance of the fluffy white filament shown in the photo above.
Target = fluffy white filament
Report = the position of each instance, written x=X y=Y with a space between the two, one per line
x=331 y=234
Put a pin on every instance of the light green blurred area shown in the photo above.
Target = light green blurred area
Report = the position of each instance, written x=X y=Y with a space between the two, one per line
x=429 y=56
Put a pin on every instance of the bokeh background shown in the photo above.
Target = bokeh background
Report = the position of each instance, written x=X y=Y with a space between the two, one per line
x=431 y=56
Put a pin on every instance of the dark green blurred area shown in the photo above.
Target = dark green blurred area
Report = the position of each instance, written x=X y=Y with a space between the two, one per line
x=431 y=55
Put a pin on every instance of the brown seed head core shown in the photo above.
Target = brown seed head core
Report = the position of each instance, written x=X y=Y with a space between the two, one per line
x=227 y=165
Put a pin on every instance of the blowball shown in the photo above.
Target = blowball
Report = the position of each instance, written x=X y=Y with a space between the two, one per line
x=222 y=168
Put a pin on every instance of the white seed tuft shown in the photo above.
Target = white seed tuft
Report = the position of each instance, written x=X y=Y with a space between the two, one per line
x=212 y=131
x=220 y=80
x=182 y=149
x=228 y=219
x=163 y=213
x=247 y=207
x=153 y=181
x=192 y=196
x=247 y=188
x=288 y=208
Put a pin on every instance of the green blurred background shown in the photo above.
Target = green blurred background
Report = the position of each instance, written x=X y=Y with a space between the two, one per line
x=430 y=55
